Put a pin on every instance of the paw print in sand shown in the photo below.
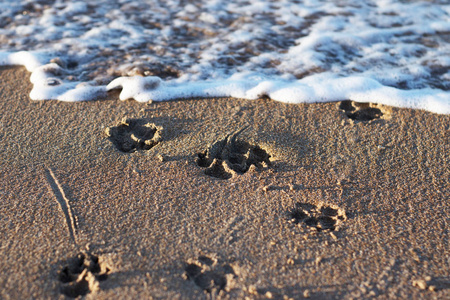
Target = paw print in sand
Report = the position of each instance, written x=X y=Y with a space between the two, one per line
x=81 y=275
x=361 y=111
x=321 y=217
x=134 y=134
x=230 y=156
x=209 y=275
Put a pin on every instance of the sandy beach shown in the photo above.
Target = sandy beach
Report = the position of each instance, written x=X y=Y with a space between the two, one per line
x=342 y=209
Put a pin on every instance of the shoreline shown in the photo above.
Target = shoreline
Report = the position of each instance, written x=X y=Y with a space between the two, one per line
x=164 y=229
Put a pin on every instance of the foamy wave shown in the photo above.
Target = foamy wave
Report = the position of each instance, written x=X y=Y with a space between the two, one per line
x=371 y=51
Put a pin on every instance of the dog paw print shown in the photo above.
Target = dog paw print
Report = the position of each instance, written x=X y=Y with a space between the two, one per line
x=360 y=111
x=81 y=275
x=134 y=134
x=209 y=275
x=321 y=217
x=231 y=156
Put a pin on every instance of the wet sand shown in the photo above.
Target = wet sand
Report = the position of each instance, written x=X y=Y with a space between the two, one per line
x=344 y=209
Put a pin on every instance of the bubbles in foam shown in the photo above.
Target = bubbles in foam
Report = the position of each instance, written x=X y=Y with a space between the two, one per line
x=391 y=52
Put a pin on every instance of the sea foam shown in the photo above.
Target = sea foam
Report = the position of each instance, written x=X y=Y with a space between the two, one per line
x=391 y=52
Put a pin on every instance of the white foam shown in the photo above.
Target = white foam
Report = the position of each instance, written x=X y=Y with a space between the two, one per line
x=318 y=89
x=380 y=51
x=27 y=59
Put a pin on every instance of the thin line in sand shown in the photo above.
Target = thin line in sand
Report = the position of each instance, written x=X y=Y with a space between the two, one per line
x=228 y=232
x=64 y=203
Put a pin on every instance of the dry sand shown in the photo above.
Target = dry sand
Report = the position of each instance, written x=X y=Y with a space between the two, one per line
x=160 y=227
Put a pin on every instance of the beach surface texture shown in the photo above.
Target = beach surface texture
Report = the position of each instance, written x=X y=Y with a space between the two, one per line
x=172 y=149
x=222 y=198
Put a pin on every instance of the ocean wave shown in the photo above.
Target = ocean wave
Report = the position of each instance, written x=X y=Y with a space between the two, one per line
x=391 y=52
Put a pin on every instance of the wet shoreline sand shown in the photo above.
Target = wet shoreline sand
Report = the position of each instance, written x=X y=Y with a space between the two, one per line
x=345 y=209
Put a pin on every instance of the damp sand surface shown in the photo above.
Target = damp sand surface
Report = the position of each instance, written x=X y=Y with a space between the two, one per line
x=353 y=202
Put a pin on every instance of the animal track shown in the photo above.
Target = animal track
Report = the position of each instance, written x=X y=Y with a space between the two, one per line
x=321 y=217
x=134 y=134
x=360 y=111
x=209 y=275
x=81 y=275
x=231 y=156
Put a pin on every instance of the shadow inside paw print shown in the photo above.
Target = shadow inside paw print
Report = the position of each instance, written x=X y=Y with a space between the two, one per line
x=81 y=275
x=321 y=217
x=360 y=111
x=208 y=274
x=134 y=134
x=231 y=156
